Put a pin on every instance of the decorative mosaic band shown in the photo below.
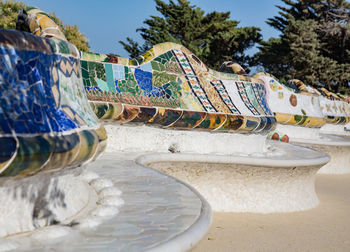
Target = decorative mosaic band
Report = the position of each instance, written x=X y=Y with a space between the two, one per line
x=243 y=93
x=181 y=119
x=219 y=86
x=193 y=81
x=299 y=104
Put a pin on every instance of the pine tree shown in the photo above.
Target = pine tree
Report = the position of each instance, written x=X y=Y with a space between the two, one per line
x=213 y=37
x=314 y=44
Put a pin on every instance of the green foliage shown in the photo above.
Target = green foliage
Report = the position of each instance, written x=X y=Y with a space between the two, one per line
x=8 y=16
x=213 y=37
x=77 y=38
x=314 y=45
x=8 y=13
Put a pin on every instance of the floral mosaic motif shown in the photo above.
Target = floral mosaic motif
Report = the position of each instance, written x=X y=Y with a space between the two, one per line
x=166 y=63
x=93 y=74
x=46 y=121
x=260 y=94
x=290 y=107
x=273 y=85
x=129 y=84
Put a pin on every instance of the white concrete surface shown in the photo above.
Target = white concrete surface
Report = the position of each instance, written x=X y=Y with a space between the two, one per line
x=160 y=213
x=151 y=139
x=337 y=147
x=335 y=129
x=266 y=184
x=295 y=131
x=52 y=199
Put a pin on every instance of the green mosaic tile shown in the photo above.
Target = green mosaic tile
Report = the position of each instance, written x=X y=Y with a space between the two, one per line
x=63 y=47
x=129 y=85
x=157 y=66
x=173 y=89
x=161 y=78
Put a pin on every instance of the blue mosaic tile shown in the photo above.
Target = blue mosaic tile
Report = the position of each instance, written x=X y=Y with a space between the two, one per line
x=144 y=80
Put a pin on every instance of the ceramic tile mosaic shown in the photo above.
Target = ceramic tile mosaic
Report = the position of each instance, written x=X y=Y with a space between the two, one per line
x=290 y=107
x=220 y=88
x=42 y=25
x=297 y=103
x=335 y=107
x=46 y=121
x=172 y=88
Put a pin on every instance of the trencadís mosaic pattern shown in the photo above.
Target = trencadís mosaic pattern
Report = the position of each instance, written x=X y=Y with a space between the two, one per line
x=170 y=87
x=299 y=104
x=46 y=122
x=290 y=107
x=335 y=108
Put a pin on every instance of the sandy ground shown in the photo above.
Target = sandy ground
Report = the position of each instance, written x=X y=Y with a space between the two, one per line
x=325 y=228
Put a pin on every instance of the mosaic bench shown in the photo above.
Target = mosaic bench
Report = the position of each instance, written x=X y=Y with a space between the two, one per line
x=161 y=88
x=152 y=218
x=168 y=100
x=55 y=133
x=336 y=108
x=48 y=130
x=301 y=114
x=49 y=134
x=170 y=88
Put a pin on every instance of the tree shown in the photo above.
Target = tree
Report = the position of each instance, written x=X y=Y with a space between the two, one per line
x=8 y=13
x=133 y=48
x=314 y=43
x=213 y=37
x=8 y=16
x=307 y=62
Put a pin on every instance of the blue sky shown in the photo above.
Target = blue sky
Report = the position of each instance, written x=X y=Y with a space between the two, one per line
x=105 y=22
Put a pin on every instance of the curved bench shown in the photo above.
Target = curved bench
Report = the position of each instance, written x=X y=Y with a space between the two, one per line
x=48 y=134
x=47 y=131
x=280 y=180
x=337 y=111
x=205 y=112
x=342 y=130
x=167 y=87
x=170 y=87
x=301 y=116
x=338 y=148
x=152 y=219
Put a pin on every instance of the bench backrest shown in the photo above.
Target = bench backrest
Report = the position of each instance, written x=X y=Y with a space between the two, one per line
x=290 y=107
x=170 y=81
